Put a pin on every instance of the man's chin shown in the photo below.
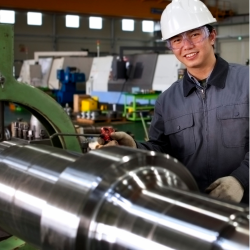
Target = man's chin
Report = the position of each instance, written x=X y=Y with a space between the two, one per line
x=193 y=65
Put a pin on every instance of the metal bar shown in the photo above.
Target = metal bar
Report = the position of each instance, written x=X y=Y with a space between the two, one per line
x=144 y=127
x=78 y=37
x=105 y=8
x=70 y=134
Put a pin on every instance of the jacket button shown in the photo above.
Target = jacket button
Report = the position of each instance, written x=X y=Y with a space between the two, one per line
x=178 y=127
x=236 y=114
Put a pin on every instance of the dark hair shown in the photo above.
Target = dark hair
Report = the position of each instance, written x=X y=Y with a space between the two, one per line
x=209 y=27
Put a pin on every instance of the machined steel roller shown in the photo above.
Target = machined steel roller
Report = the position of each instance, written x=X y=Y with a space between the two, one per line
x=111 y=198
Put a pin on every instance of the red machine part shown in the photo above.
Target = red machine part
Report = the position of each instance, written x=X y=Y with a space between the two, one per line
x=105 y=133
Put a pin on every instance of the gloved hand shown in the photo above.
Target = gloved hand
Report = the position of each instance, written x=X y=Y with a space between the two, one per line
x=119 y=138
x=101 y=143
x=226 y=188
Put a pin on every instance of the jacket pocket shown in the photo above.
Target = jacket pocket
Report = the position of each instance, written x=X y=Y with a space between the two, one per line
x=234 y=124
x=181 y=135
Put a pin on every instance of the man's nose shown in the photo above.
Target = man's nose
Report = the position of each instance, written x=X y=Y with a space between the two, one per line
x=187 y=43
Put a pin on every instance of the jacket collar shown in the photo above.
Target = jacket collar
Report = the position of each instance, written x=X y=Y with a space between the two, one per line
x=217 y=78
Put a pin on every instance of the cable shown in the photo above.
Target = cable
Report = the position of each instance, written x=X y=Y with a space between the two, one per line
x=123 y=85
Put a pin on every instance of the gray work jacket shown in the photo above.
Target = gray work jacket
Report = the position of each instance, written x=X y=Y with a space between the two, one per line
x=207 y=131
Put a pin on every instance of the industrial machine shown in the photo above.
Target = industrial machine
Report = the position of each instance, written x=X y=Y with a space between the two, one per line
x=108 y=80
x=31 y=132
x=56 y=197
x=68 y=78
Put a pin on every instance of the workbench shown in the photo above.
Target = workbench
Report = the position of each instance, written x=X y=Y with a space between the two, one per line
x=132 y=109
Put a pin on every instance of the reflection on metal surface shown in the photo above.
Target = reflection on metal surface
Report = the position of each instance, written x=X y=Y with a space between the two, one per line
x=113 y=198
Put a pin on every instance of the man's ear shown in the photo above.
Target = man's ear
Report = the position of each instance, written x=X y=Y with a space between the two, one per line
x=212 y=36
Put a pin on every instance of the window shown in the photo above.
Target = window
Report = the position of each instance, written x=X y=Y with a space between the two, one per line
x=95 y=22
x=157 y=26
x=148 y=26
x=128 y=24
x=72 y=21
x=34 y=18
x=7 y=16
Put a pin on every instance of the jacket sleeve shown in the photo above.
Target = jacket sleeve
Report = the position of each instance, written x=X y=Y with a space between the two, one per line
x=157 y=140
x=242 y=172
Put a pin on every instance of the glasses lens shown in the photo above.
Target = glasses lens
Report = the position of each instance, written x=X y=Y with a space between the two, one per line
x=176 y=42
x=195 y=36
x=192 y=36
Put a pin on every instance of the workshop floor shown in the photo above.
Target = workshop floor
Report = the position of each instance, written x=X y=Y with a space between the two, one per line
x=135 y=128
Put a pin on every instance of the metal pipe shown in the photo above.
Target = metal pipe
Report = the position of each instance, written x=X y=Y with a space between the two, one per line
x=79 y=37
x=111 y=198
x=71 y=134
x=112 y=35
x=144 y=126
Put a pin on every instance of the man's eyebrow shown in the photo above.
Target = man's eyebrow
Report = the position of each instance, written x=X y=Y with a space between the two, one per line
x=184 y=32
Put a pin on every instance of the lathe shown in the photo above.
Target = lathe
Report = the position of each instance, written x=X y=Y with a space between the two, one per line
x=57 y=197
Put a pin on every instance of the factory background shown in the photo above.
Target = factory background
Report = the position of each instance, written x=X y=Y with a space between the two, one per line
x=56 y=190
x=53 y=35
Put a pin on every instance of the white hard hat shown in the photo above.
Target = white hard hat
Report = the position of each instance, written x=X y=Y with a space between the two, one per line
x=183 y=15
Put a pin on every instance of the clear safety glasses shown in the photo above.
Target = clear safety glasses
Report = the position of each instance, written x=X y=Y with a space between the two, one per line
x=192 y=36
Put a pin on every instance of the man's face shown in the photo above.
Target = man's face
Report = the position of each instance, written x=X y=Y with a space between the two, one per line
x=196 y=55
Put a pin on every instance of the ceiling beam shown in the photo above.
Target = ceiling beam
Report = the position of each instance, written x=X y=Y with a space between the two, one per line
x=136 y=9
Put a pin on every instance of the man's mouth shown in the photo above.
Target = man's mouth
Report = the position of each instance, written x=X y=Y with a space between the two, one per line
x=190 y=55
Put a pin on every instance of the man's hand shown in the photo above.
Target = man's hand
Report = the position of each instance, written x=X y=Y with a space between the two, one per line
x=119 y=138
x=226 y=188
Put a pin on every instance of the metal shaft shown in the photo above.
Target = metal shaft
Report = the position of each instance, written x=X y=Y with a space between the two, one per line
x=111 y=198
x=27 y=175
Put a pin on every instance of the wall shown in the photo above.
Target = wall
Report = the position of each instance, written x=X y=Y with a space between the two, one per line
x=233 y=43
x=53 y=35
x=239 y=6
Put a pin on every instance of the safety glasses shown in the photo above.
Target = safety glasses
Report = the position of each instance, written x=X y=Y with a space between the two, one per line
x=192 y=36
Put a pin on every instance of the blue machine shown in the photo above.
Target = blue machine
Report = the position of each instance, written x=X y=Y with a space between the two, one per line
x=68 y=78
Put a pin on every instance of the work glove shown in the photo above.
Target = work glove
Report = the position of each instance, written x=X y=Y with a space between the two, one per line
x=119 y=138
x=226 y=188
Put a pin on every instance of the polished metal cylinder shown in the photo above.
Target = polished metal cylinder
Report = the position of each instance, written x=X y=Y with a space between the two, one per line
x=111 y=198
x=27 y=175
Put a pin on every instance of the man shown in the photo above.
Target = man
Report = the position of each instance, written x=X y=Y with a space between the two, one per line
x=203 y=118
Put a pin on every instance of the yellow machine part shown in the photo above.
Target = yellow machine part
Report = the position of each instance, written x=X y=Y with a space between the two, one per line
x=89 y=104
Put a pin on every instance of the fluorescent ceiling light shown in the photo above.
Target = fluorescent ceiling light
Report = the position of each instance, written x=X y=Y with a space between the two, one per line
x=147 y=26
x=128 y=24
x=72 y=21
x=7 y=16
x=34 y=18
x=95 y=22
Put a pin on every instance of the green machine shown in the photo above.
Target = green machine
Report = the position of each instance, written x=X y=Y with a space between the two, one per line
x=42 y=106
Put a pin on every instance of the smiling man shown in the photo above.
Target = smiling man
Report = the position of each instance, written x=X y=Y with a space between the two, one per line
x=194 y=48
x=203 y=118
